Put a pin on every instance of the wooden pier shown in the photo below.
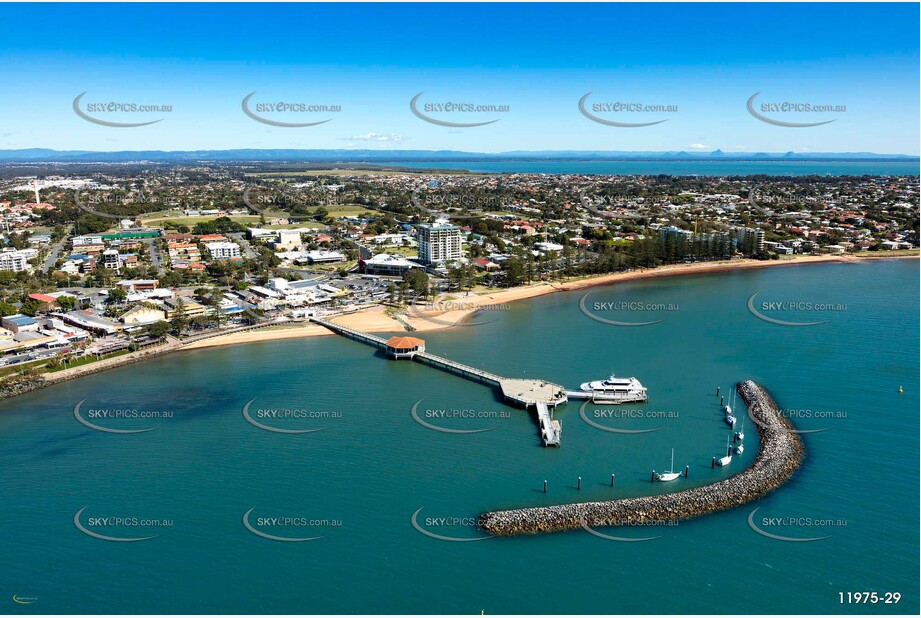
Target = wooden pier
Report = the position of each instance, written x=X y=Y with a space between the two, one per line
x=538 y=394
x=351 y=333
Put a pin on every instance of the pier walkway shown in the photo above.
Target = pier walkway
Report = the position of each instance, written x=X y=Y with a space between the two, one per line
x=465 y=371
x=549 y=428
x=351 y=333
x=538 y=394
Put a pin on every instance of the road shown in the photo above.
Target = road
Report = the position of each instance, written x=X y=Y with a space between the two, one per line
x=154 y=252
x=11 y=360
x=55 y=251
x=244 y=244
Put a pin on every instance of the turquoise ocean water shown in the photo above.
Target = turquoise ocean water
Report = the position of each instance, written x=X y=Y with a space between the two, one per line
x=358 y=482
x=677 y=168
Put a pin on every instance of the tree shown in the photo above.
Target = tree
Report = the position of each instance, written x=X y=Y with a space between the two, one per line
x=31 y=306
x=66 y=303
x=201 y=321
x=179 y=319
x=456 y=276
x=514 y=272
x=7 y=309
x=417 y=281
x=117 y=296
x=214 y=301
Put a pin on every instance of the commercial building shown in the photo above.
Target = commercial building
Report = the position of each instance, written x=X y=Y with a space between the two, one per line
x=138 y=285
x=387 y=265
x=287 y=240
x=320 y=256
x=87 y=240
x=188 y=308
x=91 y=322
x=142 y=314
x=136 y=233
x=19 y=323
x=439 y=243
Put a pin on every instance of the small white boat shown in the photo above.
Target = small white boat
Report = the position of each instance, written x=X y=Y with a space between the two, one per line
x=724 y=461
x=730 y=420
x=739 y=449
x=727 y=409
x=671 y=475
x=740 y=434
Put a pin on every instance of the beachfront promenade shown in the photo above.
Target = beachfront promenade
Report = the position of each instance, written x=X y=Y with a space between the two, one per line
x=537 y=394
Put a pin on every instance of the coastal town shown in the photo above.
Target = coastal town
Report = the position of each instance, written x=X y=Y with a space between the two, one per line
x=460 y=308
x=114 y=259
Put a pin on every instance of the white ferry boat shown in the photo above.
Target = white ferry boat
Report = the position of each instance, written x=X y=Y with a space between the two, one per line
x=616 y=389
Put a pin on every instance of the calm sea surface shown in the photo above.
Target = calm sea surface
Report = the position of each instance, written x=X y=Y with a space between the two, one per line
x=358 y=482
x=678 y=168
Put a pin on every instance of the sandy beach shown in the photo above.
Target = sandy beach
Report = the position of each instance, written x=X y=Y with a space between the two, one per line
x=376 y=319
x=449 y=311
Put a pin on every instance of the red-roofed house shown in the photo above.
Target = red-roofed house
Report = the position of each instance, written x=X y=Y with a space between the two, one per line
x=42 y=298
x=485 y=264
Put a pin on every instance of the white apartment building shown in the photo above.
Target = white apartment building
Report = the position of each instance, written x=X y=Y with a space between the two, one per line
x=439 y=243
x=13 y=260
x=746 y=234
x=223 y=250
x=110 y=260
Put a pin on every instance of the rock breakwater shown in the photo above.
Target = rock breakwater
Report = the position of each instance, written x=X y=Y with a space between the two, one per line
x=781 y=452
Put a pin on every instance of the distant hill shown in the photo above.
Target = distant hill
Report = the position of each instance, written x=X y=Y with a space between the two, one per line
x=365 y=156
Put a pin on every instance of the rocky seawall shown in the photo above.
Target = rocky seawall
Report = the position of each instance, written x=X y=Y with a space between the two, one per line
x=20 y=385
x=780 y=454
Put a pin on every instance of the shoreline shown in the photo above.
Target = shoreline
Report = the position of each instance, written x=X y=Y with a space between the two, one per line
x=375 y=320
x=780 y=453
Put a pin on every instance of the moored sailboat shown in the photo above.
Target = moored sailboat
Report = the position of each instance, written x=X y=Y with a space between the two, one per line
x=671 y=475
x=724 y=461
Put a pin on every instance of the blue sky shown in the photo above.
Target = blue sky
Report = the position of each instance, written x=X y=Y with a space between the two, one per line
x=538 y=60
